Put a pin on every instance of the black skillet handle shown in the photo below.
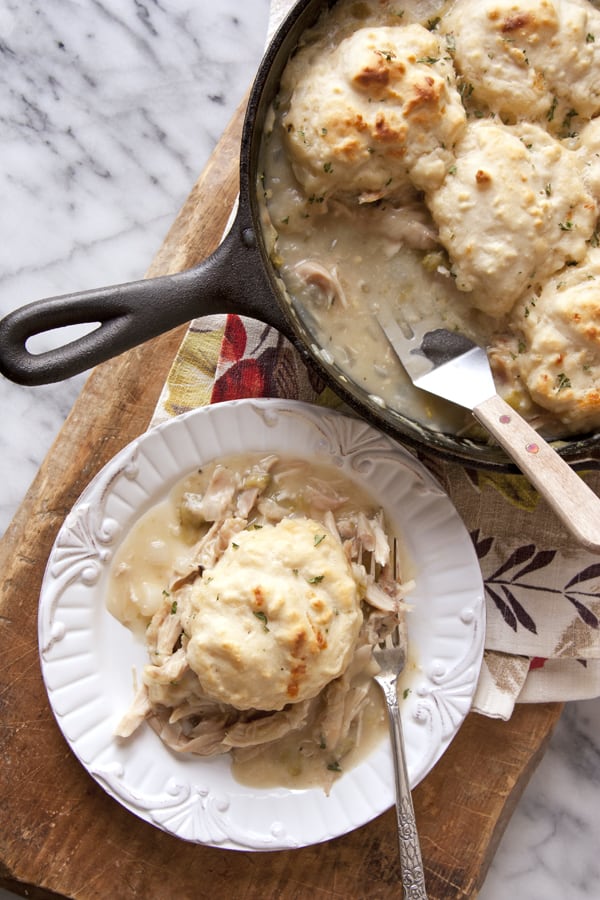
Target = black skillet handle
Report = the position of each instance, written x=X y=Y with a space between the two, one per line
x=231 y=280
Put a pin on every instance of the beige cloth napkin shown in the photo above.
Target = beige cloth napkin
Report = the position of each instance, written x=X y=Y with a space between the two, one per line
x=542 y=589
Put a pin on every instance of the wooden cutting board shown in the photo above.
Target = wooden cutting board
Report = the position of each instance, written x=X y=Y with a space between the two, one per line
x=60 y=834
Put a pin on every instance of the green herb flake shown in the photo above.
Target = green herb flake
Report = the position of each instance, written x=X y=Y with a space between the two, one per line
x=429 y=60
x=173 y=607
x=327 y=167
x=319 y=538
x=405 y=693
x=334 y=766
x=465 y=89
x=566 y=123
x=432 y=24
x=562 y=382
x=566 y=226
x=590 y=38
x=316 y=579
x=260 y=615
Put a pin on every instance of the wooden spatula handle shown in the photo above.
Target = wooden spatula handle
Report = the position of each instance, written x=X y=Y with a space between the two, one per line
x=575 y=504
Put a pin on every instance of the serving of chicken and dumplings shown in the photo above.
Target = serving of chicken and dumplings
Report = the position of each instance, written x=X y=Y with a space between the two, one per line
x=261 y=586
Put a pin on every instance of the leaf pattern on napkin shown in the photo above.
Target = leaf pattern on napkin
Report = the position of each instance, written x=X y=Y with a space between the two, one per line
x=256 y=361
x=507 y=586
x=191 y=379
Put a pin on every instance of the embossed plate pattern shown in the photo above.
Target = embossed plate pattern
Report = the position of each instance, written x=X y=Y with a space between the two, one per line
x=87 y=656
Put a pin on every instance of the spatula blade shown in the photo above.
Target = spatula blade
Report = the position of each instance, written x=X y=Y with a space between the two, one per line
x=466 y=380
x=442 y=362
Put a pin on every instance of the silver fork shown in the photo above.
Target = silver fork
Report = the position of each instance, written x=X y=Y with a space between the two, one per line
x=390 y=655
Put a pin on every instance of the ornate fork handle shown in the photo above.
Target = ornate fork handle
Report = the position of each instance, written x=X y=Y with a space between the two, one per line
x=411 y=863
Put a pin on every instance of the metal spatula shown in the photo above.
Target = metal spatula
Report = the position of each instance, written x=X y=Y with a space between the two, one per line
x=453 y=367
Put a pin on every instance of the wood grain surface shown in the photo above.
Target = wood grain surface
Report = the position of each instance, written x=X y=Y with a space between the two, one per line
x=61 y=835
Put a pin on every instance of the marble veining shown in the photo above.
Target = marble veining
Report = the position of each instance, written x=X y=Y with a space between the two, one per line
x=108 y=112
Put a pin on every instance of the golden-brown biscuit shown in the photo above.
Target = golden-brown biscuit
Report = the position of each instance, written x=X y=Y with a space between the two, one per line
x=528 y=59
x=559 y=360
x=277 y=617
x=376 y=113
x=513 y=209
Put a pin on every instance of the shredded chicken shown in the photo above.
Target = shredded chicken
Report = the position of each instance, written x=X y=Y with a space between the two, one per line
x=325 y=280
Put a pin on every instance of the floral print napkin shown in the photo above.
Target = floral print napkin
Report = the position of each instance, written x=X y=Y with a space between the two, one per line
x=542 y=589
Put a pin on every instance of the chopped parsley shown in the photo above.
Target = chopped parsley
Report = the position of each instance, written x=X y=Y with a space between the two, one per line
x=562 y=382
x=334 y=766
x=316 y=579
x=260 y=615
x=319 y=538
x=173 y=607
x=450 y=44
x=566 y=123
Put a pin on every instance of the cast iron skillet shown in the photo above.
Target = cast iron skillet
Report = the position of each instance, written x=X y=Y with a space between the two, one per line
x=237 y=278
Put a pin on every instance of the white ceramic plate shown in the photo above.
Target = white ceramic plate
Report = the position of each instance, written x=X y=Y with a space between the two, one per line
x=87 y=656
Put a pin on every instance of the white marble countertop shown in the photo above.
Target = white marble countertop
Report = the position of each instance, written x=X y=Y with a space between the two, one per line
x=109 y=111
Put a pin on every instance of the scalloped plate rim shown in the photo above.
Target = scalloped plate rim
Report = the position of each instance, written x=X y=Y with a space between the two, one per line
x=441 y=687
